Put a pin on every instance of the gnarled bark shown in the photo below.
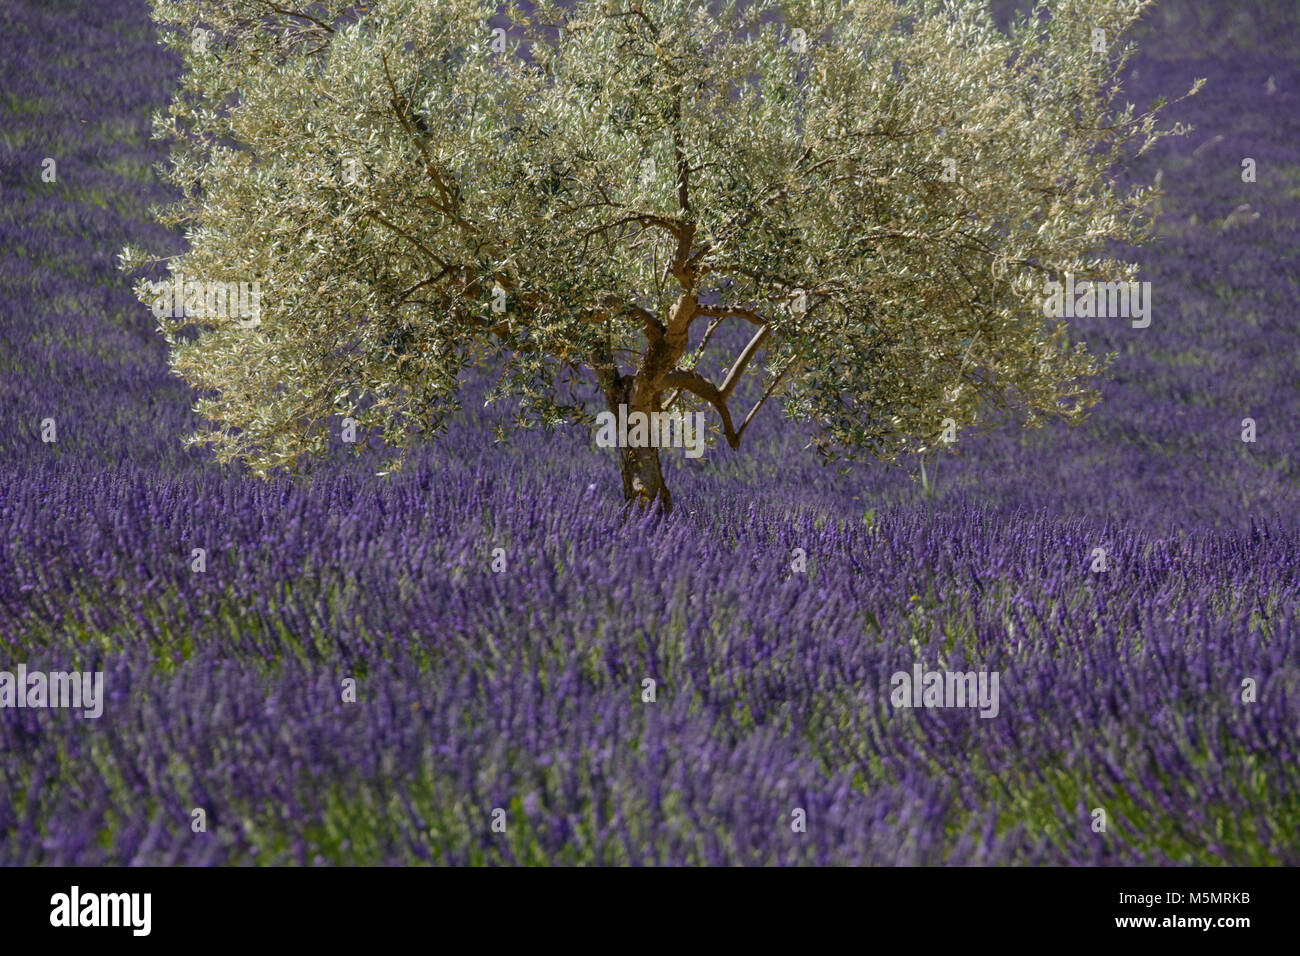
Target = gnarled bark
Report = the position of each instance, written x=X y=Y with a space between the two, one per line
x=643 y=478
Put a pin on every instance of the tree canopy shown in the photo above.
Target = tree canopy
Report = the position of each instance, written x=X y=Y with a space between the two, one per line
x=586 y=192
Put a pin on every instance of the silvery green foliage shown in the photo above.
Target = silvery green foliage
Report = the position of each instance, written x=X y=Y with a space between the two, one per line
x=626 y=176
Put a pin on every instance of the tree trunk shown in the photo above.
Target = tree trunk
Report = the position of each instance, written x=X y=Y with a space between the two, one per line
x=643 y=479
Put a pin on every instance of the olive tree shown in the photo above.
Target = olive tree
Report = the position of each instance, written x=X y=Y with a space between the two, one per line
x=586 y=192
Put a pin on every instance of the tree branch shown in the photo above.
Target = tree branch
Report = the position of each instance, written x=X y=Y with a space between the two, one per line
x=737 y=370
x=673 y=228
x=766 y=395
x=400 y=109
x=721 y=312
x=697 y=384
x=407 y=236
x=298 y=15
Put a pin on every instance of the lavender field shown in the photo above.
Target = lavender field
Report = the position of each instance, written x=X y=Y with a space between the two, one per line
x=1164 y=690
